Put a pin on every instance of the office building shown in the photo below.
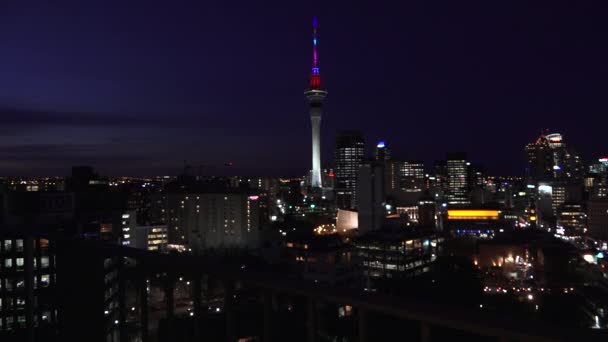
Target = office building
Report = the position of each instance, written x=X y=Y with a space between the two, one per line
x=540 y=160
x=370 y=190
x=426 y=211
x=348 y=158
x=204 y=220
x=27 y=283
x=152 y=238
x=392 y=253
x=597 y=215
x=383 y=152
x=203 y=215
x=149 y=237
x=572 y=220
x=549 y=159
x=411 y=176
x=457 y=179
x=322 y=258
x=476 y=177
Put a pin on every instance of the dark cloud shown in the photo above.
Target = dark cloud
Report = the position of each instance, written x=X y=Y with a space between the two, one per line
x=19 y=117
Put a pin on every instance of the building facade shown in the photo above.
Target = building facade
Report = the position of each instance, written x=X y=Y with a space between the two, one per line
x=348 y=158
x=201 y=221
x=27 y=283
x=457 y=179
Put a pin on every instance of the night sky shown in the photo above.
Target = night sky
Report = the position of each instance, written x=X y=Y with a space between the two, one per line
x=136 y=87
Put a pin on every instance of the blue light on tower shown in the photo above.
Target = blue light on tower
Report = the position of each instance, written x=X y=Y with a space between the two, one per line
x=380 y=144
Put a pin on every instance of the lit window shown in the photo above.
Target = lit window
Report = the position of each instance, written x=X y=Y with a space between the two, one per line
x=44 y=261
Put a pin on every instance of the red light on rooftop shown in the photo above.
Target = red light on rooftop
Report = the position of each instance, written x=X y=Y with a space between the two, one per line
x=331 y=174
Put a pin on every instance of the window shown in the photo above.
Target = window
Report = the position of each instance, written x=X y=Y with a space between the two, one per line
x=19 y=243
x=20 y=262
x=44 y=261
x=21 y=320
x=8 y=263
x=8 y=245
x=44 y=280
x=44 y=244
x=9 y=322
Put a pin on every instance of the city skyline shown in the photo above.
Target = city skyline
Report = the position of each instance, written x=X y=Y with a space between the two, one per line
x=303 y=171
x=85 y=97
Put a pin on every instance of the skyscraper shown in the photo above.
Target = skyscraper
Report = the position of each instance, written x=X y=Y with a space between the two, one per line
x=371 y=196
x=384 y=156
x=540 y=160
x=549 y=159
x=348 y=159
x=457 y=166
x=383 y=152
x=411 y=176
x=315 y=96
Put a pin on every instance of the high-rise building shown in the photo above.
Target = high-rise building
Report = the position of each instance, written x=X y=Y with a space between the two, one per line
x=315 y=95
x=572 y=219
x=212 y=219
x=371 y=196
x=393 y=253
x=441 y=179
x=540 y=160
x=476 y=175
x=391 y=175
x=383 y=155
x=27 y=284
x=411 y=176
x=600 y=168
x=457 y=190
x=202 y=215
x=383 y=152
x=597 y=215
x=348 y=158
x=598 y=174
x=150 y=237
x=549 y=159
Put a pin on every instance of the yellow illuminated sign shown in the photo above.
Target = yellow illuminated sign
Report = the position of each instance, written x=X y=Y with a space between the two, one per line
x=472 y=214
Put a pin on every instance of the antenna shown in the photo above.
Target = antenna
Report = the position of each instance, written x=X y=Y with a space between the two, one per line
x=315 y=77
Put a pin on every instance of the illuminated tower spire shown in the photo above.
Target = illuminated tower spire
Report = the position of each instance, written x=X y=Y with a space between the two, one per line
x=315 y=96
x=315 y=77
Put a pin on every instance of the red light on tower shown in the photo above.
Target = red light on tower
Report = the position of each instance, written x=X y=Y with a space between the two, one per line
x=315 y=77
x=315 y=82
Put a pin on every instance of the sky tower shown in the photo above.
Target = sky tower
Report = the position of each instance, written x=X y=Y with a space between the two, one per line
x=315 y=95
